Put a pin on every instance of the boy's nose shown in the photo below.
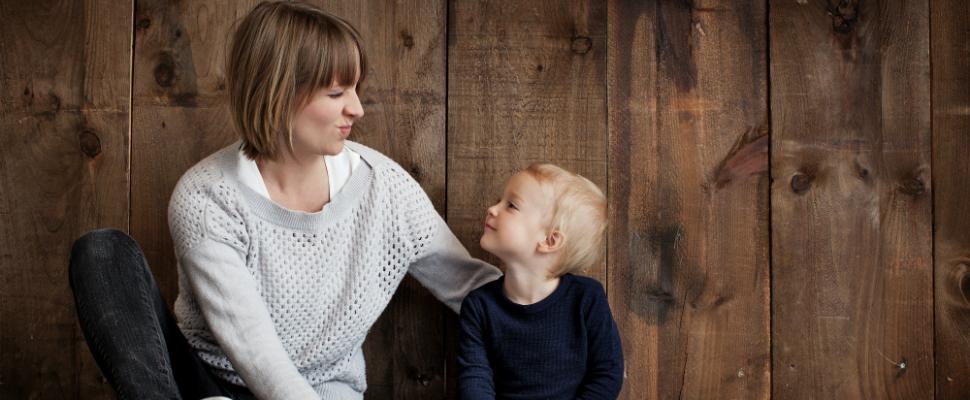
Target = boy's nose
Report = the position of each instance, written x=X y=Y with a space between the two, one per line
x=491 y=211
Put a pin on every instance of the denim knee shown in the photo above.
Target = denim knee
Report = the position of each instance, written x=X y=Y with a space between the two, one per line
x=102 y=249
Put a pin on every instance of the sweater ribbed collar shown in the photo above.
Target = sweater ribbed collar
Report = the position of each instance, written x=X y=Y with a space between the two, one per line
x=339 y=206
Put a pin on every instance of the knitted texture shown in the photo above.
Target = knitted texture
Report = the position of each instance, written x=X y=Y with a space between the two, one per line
x=324 y=277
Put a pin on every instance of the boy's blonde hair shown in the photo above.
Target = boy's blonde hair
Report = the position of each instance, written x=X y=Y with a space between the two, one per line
x=578 y=212
x=281 y=53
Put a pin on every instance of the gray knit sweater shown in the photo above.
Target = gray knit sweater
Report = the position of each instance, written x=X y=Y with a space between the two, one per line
x=280 y=301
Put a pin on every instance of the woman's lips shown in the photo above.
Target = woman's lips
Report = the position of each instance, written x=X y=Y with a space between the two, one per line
x=345 y=131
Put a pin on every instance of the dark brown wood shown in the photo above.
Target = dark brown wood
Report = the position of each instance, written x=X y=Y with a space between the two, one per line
x=64 y=100
x=180 y=117
x=951 y=180
x=851 y=200
x=689 y=237
x=525 y=84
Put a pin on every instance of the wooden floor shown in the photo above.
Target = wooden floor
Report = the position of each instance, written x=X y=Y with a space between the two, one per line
x=787 y=180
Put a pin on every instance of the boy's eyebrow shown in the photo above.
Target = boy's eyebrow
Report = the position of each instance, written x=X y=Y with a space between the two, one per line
x=515 y=196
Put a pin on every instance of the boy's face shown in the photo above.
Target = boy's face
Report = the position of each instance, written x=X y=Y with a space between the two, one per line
x=516 y=225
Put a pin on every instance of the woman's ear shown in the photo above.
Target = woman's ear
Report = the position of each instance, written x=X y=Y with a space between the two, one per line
x=553 y=242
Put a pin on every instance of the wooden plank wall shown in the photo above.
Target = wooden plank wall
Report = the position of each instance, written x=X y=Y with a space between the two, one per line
x=65 y=79
x=950 y=56
x=851 y=206
x=688 y=246
x=786 y=179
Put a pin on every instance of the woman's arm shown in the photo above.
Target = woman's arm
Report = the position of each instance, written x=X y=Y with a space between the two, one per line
x=446 y=268
x=604 y=368
x=214 y=266
x=238 y=319
x=475 y=379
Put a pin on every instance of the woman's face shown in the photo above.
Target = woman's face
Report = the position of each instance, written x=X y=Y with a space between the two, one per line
x=325 y=122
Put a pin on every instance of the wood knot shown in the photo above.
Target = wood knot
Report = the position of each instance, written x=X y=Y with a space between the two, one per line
x=90 y=143
x=801 y=182
x=143 y=23
x=964 y=286
x=581 y=44
x=419 y=377
x=844 y=15
x=913 y=186
x=407 y=39
x=165 y=70
x=862 y=172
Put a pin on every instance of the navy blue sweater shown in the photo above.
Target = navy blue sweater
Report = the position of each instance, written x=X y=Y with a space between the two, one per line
x=566 y=346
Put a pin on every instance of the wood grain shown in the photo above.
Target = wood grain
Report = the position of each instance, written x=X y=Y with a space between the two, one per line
x=951 y=178
x=688 y=243
x=851 y=200
x=64 y=101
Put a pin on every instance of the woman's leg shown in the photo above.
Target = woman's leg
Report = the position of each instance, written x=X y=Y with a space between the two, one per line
x=128 y=328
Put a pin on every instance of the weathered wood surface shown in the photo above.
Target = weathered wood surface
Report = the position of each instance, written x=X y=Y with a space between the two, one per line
x=950 y=34
x=688 y=268
x=852 y=277
x=64 y=112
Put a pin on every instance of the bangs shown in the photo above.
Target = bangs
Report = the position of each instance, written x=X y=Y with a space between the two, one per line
x=330 y=54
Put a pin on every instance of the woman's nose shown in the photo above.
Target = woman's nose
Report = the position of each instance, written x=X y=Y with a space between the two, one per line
x=353 y=108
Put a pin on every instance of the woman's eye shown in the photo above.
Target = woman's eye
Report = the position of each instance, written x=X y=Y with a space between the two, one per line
x=336 y=95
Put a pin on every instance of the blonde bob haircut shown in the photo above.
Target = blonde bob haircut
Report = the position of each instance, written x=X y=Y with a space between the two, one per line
x=578 y=213
x=280 y=54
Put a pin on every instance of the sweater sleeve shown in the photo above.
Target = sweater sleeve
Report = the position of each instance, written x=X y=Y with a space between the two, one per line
x=604 y=370
x=475 y=379
x=228 y=297
x=446 y=268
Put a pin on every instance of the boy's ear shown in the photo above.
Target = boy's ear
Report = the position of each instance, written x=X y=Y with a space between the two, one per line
x=553 y=242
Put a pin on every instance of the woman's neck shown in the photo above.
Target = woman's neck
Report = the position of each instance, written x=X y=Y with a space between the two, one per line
x=296 y=185
x=528 y=285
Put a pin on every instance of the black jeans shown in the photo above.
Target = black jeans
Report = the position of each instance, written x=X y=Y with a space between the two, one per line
x=128 y=328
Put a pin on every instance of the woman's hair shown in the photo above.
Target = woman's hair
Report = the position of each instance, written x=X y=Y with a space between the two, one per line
x=280 y=54
x=578 y=212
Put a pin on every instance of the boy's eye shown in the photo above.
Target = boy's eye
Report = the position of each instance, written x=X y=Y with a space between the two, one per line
x=513 y=206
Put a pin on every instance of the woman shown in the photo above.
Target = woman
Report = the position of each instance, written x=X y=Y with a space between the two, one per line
x=290 y=242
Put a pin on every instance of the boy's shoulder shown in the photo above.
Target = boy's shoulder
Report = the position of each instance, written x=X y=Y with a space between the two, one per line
x=586 y=285
x=487 y=290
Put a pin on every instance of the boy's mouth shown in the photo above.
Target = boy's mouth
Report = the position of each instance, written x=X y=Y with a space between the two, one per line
x=489 y=226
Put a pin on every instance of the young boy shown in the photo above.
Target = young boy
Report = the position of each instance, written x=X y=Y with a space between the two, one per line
x=540 y=332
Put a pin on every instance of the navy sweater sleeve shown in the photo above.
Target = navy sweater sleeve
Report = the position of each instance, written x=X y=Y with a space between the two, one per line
x=475 y=380
x=604 y=372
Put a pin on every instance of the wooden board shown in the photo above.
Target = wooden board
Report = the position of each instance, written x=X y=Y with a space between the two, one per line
x=64 y=101
x=851 y=200
x=180 y=117
x=525 y=84
x=951 y=178
x=689 y=198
